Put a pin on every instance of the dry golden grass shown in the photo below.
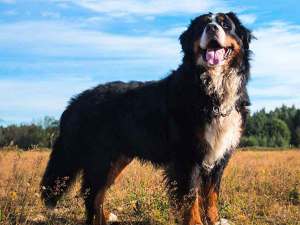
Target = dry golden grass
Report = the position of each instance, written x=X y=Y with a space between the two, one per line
x=258 y=188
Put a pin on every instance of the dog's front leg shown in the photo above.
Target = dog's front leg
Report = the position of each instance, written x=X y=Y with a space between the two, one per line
x=211 y=203
x=210 y=192
x=183 y=183
x=193 y=210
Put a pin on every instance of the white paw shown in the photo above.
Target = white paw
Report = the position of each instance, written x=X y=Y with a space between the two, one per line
x=112 y=218
x=223 y=222
x=207 y=166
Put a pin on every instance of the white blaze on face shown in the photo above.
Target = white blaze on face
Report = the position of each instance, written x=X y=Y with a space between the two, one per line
x=220 y=34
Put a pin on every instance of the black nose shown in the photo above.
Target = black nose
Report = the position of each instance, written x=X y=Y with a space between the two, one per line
x=211 y=28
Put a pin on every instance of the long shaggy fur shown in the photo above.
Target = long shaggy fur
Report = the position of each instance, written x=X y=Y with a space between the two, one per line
x=163 y=122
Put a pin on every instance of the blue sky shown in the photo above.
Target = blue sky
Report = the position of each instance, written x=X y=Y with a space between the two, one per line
x=51 y=50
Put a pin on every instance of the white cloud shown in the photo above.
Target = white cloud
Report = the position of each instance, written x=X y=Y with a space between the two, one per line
x=270 y=95
x=64 y=39
x=277 y=51
x=10 y=13
x=45 y=40
x=247 y=18
x=48 y=14
x=150 y=7
x=274 y=90
x=62 y=5
x=37 y=97
x=271 y=104
x=276 y=66
x=173 y=32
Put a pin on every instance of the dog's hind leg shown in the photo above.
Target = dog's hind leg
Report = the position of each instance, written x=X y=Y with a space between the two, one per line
x=92 y=182
x=95 y=198
x=116 y=168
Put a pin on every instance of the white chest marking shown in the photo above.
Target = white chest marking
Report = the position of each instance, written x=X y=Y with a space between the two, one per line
x=222 y=134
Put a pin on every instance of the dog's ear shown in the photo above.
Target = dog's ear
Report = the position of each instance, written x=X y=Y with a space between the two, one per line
x=244 y=33
x=194 y=30
x=186 y=40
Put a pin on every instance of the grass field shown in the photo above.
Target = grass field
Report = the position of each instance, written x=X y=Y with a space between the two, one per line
x=259 y=187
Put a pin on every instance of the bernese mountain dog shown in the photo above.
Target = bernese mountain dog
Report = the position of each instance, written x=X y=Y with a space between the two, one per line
x=188 y=123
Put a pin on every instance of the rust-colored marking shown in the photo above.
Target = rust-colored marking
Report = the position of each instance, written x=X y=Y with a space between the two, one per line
x=193 y=214
x=212 y=205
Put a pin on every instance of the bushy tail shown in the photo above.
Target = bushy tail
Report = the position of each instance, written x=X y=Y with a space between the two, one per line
x=60 y=173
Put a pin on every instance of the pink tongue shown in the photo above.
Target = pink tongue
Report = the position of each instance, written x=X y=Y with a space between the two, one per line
x=215 y=57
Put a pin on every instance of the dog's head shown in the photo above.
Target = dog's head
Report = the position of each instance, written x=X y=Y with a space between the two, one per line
x=214 y=40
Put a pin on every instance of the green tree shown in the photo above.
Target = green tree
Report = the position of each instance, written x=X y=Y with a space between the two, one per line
x=296 y=131
x=25 y=136
x=279 y=134
x=51 y=130
x=270 y=129
x=250 y=141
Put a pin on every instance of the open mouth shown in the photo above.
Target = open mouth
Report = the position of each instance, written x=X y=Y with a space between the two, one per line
x=215 y=54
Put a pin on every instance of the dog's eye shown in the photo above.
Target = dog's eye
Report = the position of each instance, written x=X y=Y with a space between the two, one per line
x=225 y=25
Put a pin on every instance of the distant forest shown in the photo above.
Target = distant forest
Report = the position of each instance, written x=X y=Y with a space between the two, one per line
x=277 y=128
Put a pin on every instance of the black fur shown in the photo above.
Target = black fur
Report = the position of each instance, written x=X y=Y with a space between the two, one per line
x=152 y=121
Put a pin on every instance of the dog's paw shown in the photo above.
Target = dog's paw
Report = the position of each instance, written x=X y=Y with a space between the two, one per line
x=112 y=217
x=207 y=167
x=223 y=222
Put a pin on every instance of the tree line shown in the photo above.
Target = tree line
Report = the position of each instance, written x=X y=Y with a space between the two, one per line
x=277 y=128
x=27 y=136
